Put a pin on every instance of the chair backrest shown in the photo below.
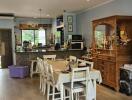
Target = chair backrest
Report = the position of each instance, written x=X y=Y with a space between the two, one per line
x=72 y=58
x=50 y=74
x=52 y=57
x=39 y=65
x=87 y=63
x=80 y=75
x=46 y=68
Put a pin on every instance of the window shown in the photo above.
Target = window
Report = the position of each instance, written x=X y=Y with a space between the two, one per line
x=34 y=36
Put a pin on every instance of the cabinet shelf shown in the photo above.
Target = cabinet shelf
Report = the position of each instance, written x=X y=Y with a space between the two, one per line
x=107 y=49
x=60 y=26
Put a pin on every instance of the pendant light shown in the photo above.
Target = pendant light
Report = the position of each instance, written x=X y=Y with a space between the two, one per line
x=41 y=31
x=41 y=27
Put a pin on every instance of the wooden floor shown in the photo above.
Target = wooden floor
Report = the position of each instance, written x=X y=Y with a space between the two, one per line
x=28 y=89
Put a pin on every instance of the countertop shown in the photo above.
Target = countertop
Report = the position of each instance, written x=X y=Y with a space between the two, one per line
x=50 y=50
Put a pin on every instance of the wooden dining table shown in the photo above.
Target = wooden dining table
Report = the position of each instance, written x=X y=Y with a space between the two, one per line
x=61 y=77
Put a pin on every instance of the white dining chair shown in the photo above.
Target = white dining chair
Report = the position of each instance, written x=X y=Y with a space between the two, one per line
x=90 y=65
x=72 y=58
x=42 y=74
x=51 y=57
x=79 y=83
x=45 y=76
x=34 y=67
x=86 y=63
x=51 y=85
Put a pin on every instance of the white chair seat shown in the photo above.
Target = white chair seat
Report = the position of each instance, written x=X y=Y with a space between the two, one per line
x=76 y=85
x=51 y=57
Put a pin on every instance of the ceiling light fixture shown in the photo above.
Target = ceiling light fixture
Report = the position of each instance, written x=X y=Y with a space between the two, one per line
x=48 y=15
x=87 y=0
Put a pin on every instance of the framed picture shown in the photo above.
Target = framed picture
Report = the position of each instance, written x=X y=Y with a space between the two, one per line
x=69 y=19
x=70 y=28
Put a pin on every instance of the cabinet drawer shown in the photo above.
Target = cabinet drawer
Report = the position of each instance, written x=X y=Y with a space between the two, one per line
x=100 y=57
x=109 y=58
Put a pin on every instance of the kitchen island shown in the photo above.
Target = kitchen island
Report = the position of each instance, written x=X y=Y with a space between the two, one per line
x=25 y=57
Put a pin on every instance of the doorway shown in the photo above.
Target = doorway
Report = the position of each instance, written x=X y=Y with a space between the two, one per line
x=6 y=39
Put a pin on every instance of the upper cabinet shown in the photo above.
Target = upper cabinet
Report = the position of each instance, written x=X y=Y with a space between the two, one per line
x=65 y=25
x=112 y=32
x=59 y=22
x=104 y=33
x=104 y=37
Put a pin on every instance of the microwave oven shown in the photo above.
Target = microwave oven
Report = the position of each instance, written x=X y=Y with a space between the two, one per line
x=76 y=46
x=75 y=38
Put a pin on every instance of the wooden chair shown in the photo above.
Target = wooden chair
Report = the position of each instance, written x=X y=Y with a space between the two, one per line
x=51 y=57
x=79 y=82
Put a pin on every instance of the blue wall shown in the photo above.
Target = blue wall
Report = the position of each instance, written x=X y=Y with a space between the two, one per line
x=66 y=32
x=84 y=19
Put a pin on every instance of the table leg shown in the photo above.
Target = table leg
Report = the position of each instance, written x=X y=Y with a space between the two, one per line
x=94 y=83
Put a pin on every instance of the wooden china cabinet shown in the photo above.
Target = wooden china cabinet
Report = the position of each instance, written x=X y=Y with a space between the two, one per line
x=112 y=47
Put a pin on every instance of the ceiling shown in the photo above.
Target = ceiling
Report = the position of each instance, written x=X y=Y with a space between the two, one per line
x=50 y=8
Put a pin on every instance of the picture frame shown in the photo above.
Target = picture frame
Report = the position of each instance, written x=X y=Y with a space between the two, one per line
x=70 y=19
x=70 y=28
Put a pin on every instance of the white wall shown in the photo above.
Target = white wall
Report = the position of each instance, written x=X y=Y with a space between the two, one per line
x=84 y=19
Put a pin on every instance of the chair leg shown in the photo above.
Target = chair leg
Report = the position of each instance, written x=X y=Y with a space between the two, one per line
x=31 y=74
x=95 y=88
x=64 y=94
x=75 y=96
x=72 y=97
x=68 y=94
x=48 y=91
x=44 y=86
x=78 y=96
x=40 y=84
x=31 y=70
x=53 y=94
